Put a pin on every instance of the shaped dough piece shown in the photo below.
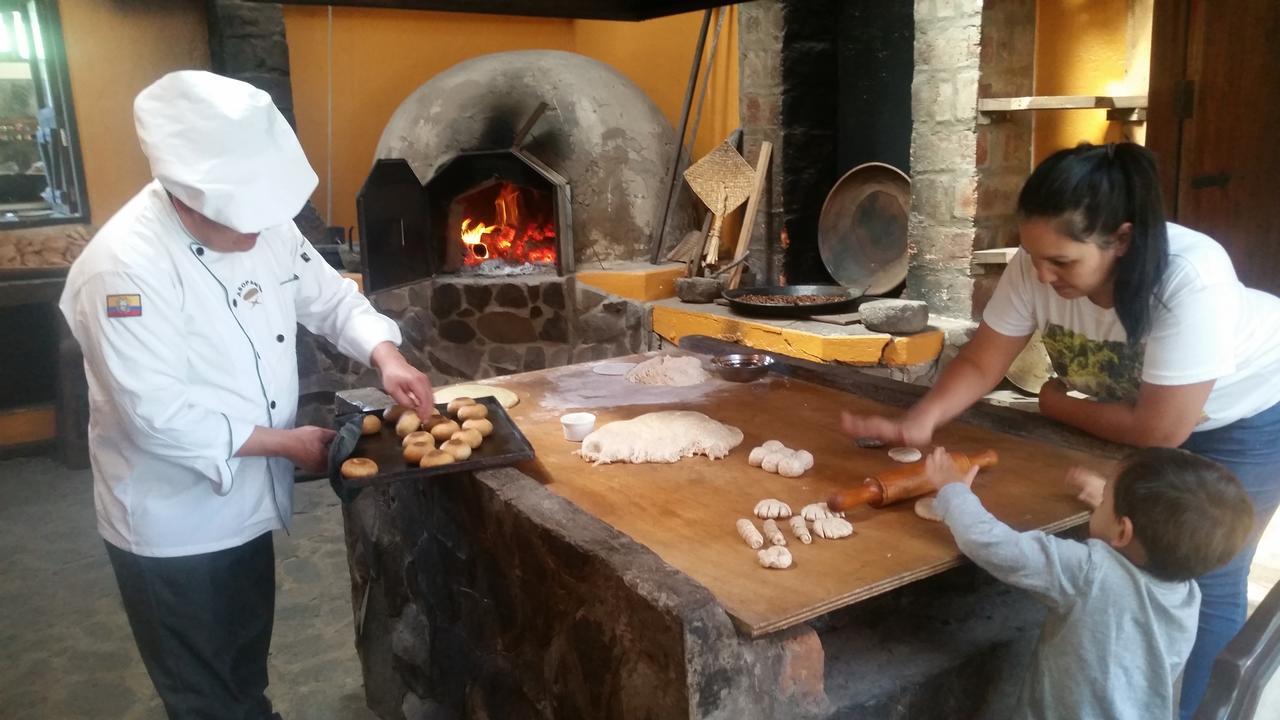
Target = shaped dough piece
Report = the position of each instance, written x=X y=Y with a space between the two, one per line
x=818 y=511
x=905 y=454
x=749 y=534
x=926 y=509
x=660 y=437
x=792 y=466
x=800 y=530
x=832 y=528
x=757 y=456
x=771 y=460
x=806 y=458
x=771 y=445
x=776 y=557
x=773 y=534
x=772 y=508
x=669 y=370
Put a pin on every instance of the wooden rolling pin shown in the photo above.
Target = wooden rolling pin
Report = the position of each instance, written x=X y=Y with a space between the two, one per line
x=902 y=483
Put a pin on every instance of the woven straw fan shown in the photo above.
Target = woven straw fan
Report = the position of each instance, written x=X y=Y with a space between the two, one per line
x=722 y=180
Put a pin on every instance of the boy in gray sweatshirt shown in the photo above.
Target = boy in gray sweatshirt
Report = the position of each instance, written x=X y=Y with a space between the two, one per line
x=1122 y=605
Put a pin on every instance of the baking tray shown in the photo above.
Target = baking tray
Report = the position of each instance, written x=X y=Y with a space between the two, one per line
x=506 y=446
x=843 y=299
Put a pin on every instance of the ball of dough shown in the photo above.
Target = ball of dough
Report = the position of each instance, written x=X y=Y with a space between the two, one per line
x=431 y=422
x=418 y=436
x=481 y=425
x=458 y=449
x=434 y=458
x=393 y=413
x=413 y=452
x=757 y=456
x=458 y=403
x=473 y=412
x=470 y=437
x=358 y=468
x=771 y=445
x=370 y=425
x=770 y=461
x=791 y=466
x=408 y=422
x=806 y=458
x=445 y=430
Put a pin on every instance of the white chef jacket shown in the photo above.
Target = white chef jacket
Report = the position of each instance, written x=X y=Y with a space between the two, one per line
x=186 y=351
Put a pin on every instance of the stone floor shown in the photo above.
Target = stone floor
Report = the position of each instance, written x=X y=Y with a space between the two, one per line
x=68 y=653
x=67 y=649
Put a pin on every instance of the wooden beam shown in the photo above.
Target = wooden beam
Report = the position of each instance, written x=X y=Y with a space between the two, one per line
x=630 y=10
x=1062 y=102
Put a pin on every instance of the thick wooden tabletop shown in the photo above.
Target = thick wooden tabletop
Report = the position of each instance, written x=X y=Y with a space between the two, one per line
x=685 y=512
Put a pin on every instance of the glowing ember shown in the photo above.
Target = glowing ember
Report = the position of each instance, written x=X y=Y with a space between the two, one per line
x=513 y=234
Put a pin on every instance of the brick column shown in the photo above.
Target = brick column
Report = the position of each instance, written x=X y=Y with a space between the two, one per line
x=760 y=28
x=944 y=178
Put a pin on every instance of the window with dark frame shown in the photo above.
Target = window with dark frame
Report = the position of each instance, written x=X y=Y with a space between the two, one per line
x=41 y=174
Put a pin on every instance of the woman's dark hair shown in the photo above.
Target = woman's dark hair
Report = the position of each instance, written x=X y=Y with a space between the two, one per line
x=1190 y=513
x=1089 y=191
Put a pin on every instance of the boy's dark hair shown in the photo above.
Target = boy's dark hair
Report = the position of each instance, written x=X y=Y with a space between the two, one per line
x=1190 y=513
x=1088 y=192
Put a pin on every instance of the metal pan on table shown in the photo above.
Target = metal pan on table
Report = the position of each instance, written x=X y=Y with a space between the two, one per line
x=794 y=301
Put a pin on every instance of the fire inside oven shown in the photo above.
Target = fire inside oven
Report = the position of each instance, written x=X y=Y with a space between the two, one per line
x=501 y=227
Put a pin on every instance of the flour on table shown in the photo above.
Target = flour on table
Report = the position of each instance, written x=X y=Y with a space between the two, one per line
x=668 y=370
x=660 y=437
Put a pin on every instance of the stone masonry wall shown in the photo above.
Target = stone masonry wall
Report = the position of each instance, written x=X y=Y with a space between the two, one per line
x=1003 y=155
x=944 y=175
x=760 y=106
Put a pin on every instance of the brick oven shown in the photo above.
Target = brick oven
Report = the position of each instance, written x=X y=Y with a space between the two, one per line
x=493 y=183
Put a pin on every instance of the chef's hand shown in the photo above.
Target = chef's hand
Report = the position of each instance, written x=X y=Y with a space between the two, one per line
x=406 y=384
x=308 y=447
x=1088 y=486
x=941 y=470
x=908 y=430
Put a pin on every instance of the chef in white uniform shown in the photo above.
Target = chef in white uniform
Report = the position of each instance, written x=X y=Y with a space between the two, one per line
x=186 y=305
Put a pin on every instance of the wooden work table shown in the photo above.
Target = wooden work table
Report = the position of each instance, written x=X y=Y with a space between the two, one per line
x=560 y=588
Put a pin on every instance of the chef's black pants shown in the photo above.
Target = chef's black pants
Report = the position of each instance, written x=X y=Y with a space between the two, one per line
x=203 y=627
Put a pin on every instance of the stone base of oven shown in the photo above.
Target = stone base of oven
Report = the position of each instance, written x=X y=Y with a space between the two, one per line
x=490 y=597
x=461 y=328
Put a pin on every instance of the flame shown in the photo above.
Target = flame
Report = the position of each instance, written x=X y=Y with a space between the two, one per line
x=509 y=236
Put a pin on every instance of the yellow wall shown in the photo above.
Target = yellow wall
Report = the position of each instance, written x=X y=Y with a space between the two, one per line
x=114 y=50
x=1089 y=47
x=366 y=61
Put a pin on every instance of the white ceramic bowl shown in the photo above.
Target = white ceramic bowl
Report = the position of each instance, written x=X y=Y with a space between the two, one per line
x=577 y=425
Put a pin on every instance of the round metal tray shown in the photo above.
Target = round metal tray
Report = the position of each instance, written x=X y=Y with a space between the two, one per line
x=842 y=300
x=862 y=232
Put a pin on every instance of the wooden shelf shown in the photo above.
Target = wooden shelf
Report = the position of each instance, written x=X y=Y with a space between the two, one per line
x=1120 y=108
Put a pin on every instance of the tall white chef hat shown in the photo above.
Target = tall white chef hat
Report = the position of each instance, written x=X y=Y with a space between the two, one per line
x=221 y=146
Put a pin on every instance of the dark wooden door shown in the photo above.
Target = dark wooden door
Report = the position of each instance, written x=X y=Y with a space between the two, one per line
x=1215 y=122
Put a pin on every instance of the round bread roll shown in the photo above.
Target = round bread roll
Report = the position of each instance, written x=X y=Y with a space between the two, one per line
x=482 y=425
x=471 y=437
x=445 y=430
x=370 y=425
x=393 y=413
x=356 y=468
x=459 y=403
x=418 y=436
x=408 y=422
x=434 y=458
x=435 y=420
x=458 y=449
x=413 y=452
x=473 y=412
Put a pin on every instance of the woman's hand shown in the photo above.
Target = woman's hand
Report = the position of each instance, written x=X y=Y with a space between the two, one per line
x=1051 y=395
x=909 y=430
x=941 y=470
x=1088 y=486
x=406 y=384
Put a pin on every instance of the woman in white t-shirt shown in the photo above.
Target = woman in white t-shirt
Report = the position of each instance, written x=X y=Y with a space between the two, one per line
x=1149 y=319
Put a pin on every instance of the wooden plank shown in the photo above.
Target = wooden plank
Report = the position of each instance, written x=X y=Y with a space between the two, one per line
x=584 y=9
x=685 y=512
x=749 y=218
x=1062 y=102
x=22 y=426
x=1168 y=71
x=994 y=256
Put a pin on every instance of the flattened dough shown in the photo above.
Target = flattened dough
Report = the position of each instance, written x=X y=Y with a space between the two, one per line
x=669 y=370
x=926 y=510
x=660 y=437
x=505 y=397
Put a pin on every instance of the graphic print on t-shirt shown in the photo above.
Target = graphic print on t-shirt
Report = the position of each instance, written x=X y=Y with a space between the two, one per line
x=1108 y=370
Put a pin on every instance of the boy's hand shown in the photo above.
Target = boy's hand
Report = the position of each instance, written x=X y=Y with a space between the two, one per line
x=1088 y=485
x=941 y=470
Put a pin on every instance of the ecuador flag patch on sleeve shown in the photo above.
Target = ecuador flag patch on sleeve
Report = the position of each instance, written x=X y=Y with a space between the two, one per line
x=123 y=306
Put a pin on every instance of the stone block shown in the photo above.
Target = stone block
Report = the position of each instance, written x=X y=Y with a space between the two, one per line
x=446 y=300
x=801 y=679
x=965 y=198
x=457 y=331
x=535 y=358
x=510 y=295
x=946 y=47
x=901 y=317
x=555 y=329
x=461 y=361
x=553 y=296
x=931 y=197
x=478 y=295
x=243 y=19
x=255 y=55
x=588 y=299
x=942 y=150
x=506 y=327
x=506 y=357
x=392 y=301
